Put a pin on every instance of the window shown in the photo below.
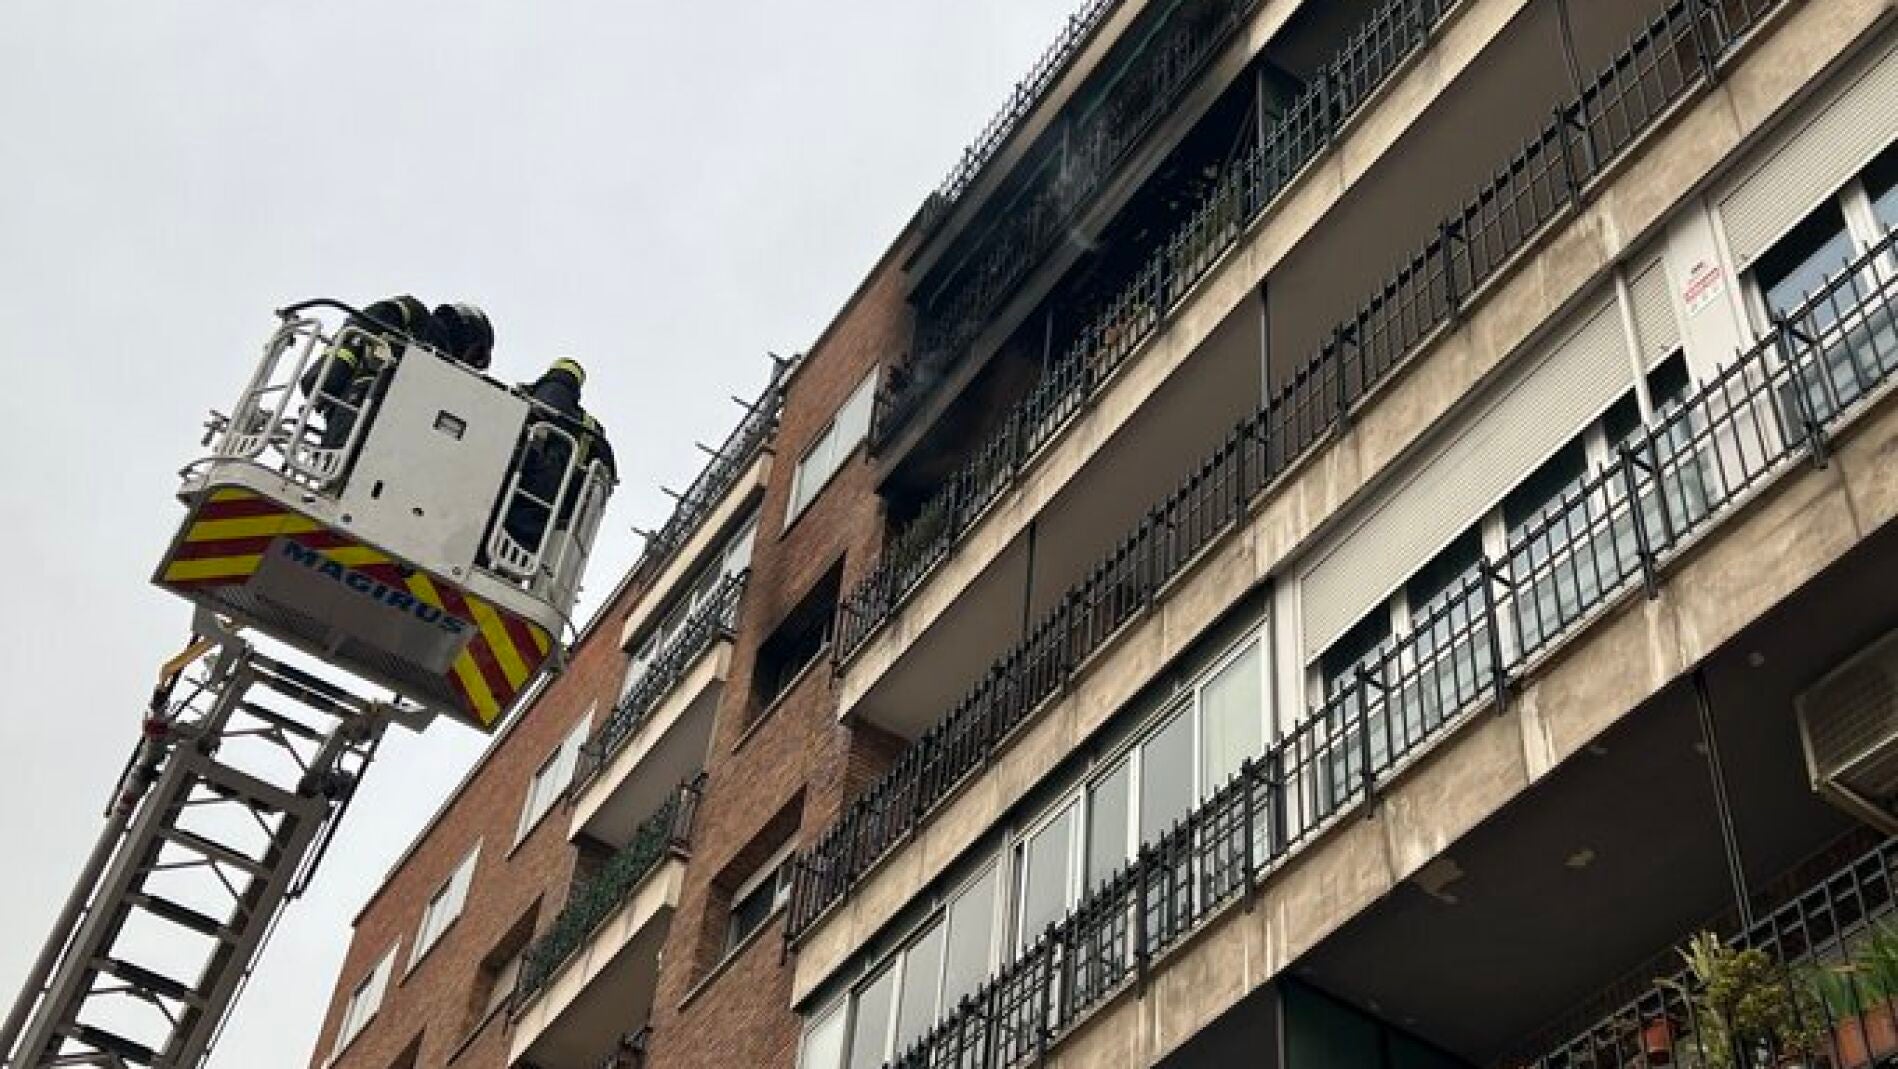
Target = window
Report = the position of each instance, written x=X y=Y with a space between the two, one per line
x=1109 y=830
x=971 y=949
x=1850 y=353
x=917 y=1007
x=870 y=1032
x=1045 y=864
x=1564 y=547
x=798 y=640
x=1082 y=840
x=499 y=970
x=733 y=557
x=823 y=1046
x=1798 y=263
x=1363 y=644
x=643 y=656
x=501 y=980
x=365 y=1000
x=737 y=556
x=445 y=906
x=1881 y=187
x=1541 y=518
x=1232 y=721
x=759 y=900
x=1166 y=777
x=947 y=959
x=849 y=426
x=551 y=779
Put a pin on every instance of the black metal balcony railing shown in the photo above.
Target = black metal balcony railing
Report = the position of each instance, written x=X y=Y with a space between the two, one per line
x=1675 y=53
x=1850 y=1016
x=714 y=619
x=667 y=832
x=1247 y=186
x=1022 y=100
x=1090 y=152
x=1775 y=404
x=727 y=463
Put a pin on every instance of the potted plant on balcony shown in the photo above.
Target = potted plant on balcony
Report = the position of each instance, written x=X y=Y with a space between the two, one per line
x=1747 y=1008
x=1860 y=999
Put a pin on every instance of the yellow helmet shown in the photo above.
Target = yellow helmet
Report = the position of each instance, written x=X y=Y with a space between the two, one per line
x=571 y=366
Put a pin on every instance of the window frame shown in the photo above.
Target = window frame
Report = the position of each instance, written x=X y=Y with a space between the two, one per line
x=1072 y=802
x=567 y=753
x=773 y=868
x=839 y=1007
x=995 y=868
x=462 y=874
x=805 y=487
x=1856 y=207
x=886 y=967
x=378 y=977
x=1131 y=755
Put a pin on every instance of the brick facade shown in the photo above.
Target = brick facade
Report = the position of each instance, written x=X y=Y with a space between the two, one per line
x=791 y=755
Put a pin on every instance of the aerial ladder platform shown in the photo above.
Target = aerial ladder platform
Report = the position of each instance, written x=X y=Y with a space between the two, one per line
x=417 y=531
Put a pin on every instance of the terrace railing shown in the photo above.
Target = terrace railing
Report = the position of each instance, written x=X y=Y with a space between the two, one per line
x=1243 y=191
x=666 y=833
x=1027 y=92
x=1843 y=1009
x=1546 y=590
x=714 y=619
x=728 y=462
x=1776 y=405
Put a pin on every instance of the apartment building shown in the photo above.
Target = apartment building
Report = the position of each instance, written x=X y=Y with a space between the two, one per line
x=1343 y=535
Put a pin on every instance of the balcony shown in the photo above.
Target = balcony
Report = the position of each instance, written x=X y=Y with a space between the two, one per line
x=660 y=730
x=595 y=968
x=1478 y=948
x=1444 y=281
x=1048 y=200
x=1831 y=947
x=1819 y=964
x=1027 y=95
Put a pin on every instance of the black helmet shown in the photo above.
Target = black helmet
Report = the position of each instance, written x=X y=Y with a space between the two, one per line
x=467 y=334
x=403 y=313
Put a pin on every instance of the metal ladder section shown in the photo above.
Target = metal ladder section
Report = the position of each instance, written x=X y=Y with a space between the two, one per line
x=223 y=812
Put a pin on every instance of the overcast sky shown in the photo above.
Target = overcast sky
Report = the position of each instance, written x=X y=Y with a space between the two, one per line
x=664 y=190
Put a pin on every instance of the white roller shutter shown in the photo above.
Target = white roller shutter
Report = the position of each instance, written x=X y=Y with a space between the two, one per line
x=1809 y=161
x=1569 y=383
x=1654 y=317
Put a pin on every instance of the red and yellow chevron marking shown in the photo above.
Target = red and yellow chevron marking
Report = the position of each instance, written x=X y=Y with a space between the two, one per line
x=228 y=536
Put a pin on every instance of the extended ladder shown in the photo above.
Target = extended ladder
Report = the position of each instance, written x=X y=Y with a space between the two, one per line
x=222 y=814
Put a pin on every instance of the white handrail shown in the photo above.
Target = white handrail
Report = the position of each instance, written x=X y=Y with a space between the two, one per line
x=506 y=555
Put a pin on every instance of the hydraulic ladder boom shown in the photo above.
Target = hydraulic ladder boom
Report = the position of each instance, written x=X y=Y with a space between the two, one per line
x=221 y=815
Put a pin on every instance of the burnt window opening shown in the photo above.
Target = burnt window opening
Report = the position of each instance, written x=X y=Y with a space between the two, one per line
x=799 y=639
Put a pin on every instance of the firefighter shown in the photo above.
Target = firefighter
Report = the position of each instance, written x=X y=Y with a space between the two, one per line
x=462 y=333
x=354 y=384
x=395 y=320
x=545 y=462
